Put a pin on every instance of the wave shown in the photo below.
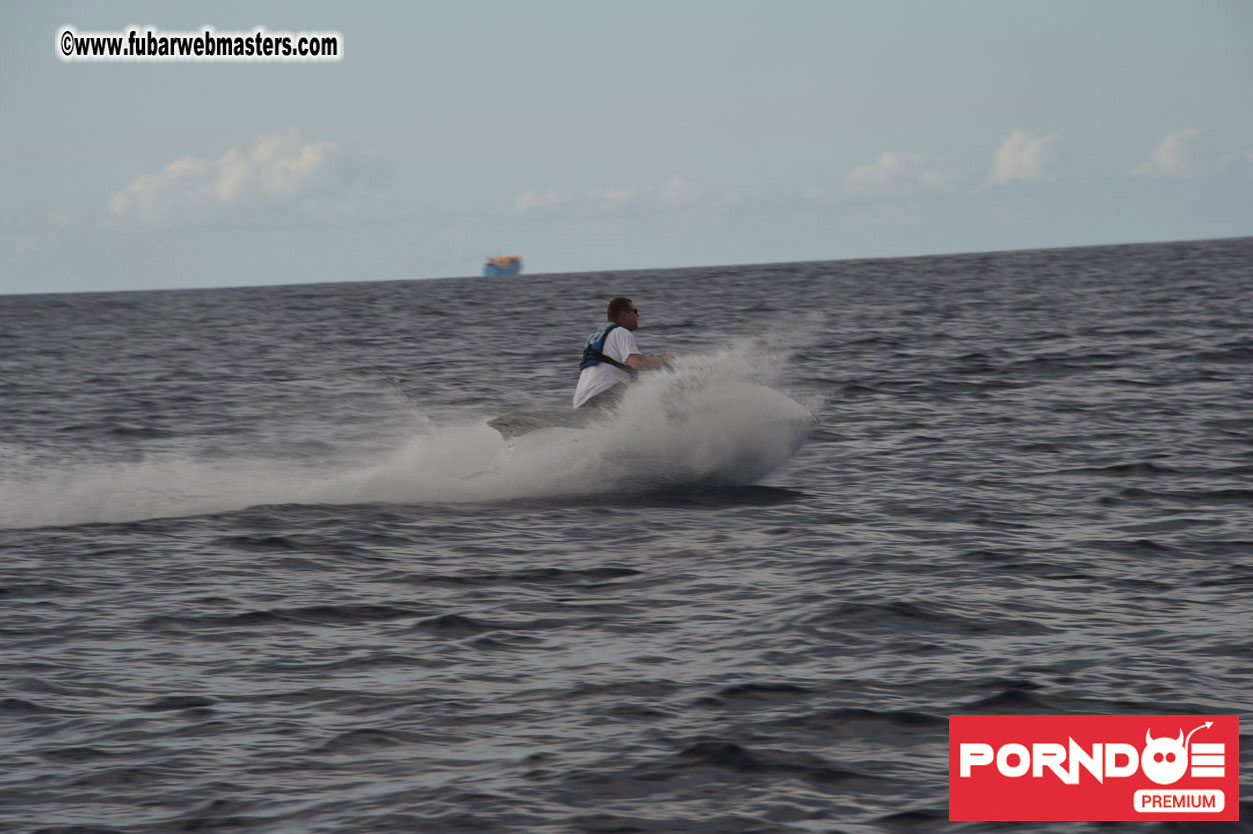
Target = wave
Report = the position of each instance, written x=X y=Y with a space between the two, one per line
x=710 y=422
x=713 y=420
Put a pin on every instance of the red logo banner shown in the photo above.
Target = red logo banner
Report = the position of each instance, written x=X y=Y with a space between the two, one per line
x=1093 y=767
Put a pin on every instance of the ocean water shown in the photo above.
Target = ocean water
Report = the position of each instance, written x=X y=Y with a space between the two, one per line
x=264 y=568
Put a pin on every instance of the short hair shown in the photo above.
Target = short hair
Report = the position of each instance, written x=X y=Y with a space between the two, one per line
x=619 y=306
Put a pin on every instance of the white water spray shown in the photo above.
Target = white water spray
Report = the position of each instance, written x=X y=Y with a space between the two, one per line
x=712 y=420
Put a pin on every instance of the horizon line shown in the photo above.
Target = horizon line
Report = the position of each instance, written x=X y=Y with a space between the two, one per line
x=523 y=276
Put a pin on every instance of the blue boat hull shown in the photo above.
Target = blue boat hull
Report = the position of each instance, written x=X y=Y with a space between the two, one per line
x=491 y=270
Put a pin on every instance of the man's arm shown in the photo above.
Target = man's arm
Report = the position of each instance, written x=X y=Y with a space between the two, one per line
x=640 y=362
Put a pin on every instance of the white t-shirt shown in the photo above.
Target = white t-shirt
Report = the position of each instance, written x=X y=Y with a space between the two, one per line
x=619 y=344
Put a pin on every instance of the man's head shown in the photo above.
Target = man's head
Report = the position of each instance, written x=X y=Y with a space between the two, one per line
x=623 y=312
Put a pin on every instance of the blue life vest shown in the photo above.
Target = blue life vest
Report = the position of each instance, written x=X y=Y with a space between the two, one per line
x=595 y=345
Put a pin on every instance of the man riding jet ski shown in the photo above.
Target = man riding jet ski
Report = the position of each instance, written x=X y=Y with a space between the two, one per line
x=610 y=358
x=611 y=361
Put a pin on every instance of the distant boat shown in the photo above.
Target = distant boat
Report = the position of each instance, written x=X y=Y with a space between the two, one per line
x=503 y=265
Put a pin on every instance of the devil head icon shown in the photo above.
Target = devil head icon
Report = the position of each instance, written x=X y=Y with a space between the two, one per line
x=1164 y=760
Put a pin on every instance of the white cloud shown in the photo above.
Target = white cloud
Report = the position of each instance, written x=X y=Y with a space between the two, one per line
x=157 y=196
x=1173 y=157
x=678 y=191
x=531 y=200
x=612 y=197
x=1022 y=157
x=281 y=174
x=898 y=173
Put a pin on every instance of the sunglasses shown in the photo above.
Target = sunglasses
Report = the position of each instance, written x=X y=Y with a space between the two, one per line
x=633 y=310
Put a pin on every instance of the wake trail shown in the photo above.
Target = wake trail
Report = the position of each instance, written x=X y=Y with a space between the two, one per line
x=714 y=419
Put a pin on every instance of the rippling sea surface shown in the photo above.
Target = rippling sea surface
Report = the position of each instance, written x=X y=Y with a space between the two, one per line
x=263 y=566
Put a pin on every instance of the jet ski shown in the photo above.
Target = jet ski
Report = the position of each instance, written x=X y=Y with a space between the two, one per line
x=514 y=424
x=728 y=434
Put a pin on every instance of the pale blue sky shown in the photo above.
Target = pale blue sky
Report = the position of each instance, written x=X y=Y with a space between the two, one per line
x=591 y=136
